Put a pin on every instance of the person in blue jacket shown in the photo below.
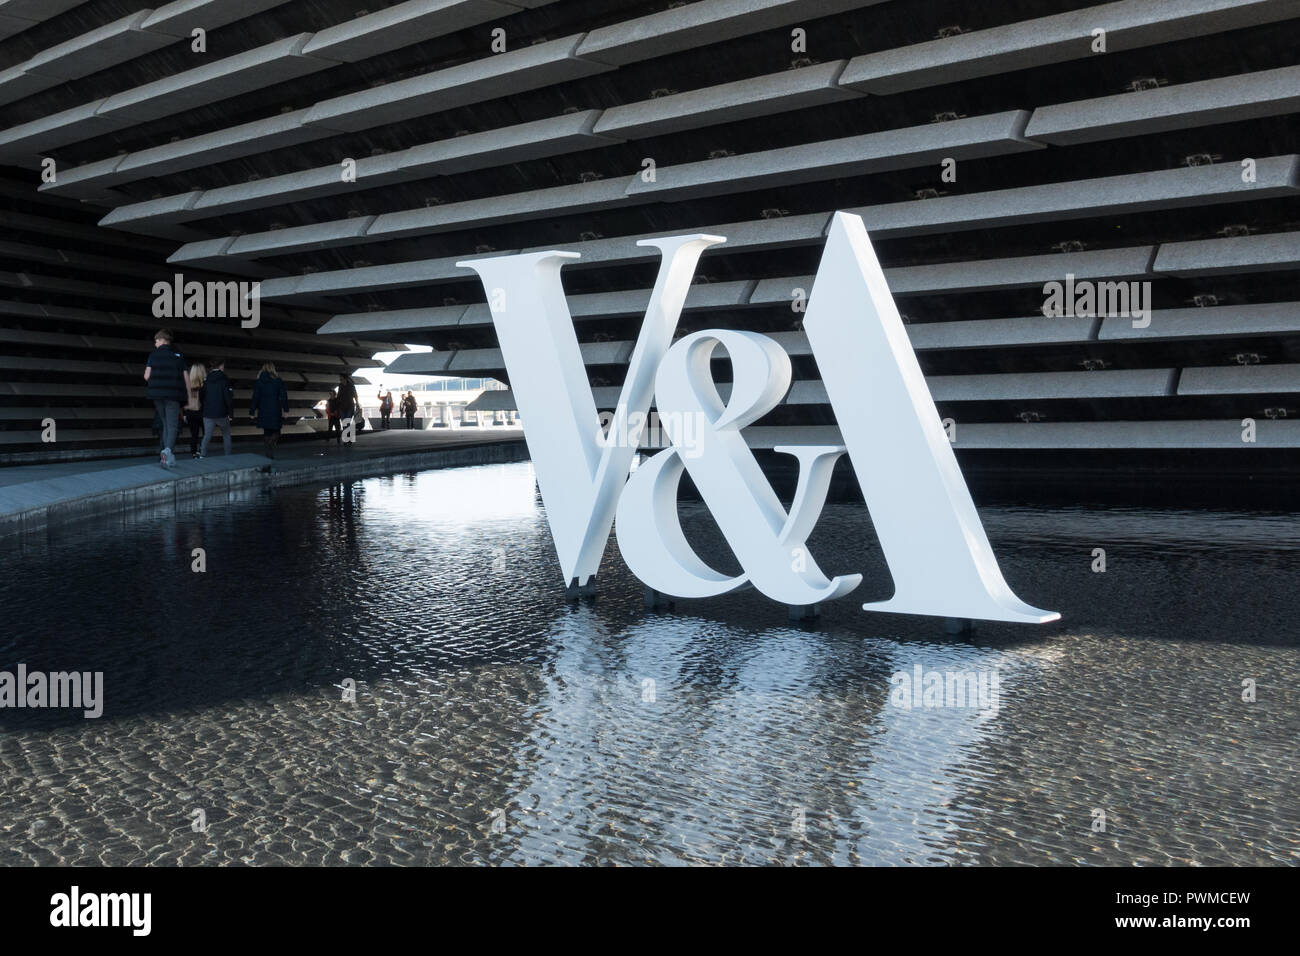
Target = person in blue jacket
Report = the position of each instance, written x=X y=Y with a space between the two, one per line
x=269 y=405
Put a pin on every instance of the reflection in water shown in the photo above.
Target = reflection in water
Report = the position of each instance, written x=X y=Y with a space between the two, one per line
x=496 y=723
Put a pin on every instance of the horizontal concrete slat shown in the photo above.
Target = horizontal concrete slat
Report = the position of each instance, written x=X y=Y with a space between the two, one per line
x=1001 y=387
x=74 y=390
x=791 y=89
x=980 y=333
x=98 y=49
x=1240 y=379
x=162 y=209
x=1269 y=318
x=394 y=322
x=1105 y=196
x=779 y=233
x=421 y=363
x=179 y=18
x=747 y=236
x=1116 y=383
x=1127 y=263
x=300 y=361
x=984 y=135
x=483 y=361
x=44 y=364
x=89 y=53
x=394 y=27
x=1174 y=188
x=1195 y=323
x=526 y=139
x=494 y=147
x=225 y=78
x=498 y=75
x=1019 y=271
x=1129 y=24
x=37 y=11
x=783 y=91
x=983 y=333
x=1277 y=176
x=19 y=143
x=13 y=25
x=1023 y=386
x=979 y=136
x=984 y=274
x=991 y=333
x=136 y=323
x=512 y=144
x=321 y=235
x=1223 y=100
x=75 y=260
x=494 y=210
x=397 y=275
x=61 y=285
x=274 y=132
x=16 y=84
x=1065 y=435
x=700 y=297
x=727 y=102
x=232 y=76
x=703 y=22
x=1262 y=253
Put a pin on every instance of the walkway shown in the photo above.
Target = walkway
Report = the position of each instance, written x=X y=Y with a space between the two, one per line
x=33 y=495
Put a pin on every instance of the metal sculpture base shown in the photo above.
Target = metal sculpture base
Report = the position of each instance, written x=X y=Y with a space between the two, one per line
x=575 y=591
x=804 y=612
x=658 y=601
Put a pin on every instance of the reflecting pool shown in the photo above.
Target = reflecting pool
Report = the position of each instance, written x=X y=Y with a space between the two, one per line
x=494 y=722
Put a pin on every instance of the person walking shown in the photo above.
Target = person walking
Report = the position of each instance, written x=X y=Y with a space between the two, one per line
x=408 y=409
x=270 y=403
x=167 y=384
x=194 y=407
x=218 y=406
x=385 y=407
x=348 y=403
x=335 y=425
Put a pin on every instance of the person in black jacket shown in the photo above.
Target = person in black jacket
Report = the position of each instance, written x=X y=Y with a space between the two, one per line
x=218 y=405
x=270 y=402
x=348 y=405
x=168 y=384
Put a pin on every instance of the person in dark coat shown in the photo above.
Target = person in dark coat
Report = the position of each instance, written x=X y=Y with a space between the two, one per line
x=218 y=400
x=335 y=425
x=168 y=384
x=409 y=409
x=269 y=405
x=349 y=404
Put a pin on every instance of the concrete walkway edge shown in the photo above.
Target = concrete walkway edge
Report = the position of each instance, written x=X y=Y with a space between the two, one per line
x=154 y=488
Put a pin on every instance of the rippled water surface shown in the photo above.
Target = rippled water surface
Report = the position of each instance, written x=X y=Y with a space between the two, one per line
x=494 y=722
